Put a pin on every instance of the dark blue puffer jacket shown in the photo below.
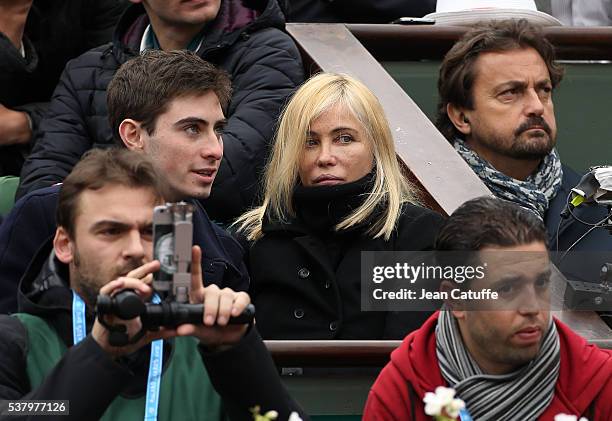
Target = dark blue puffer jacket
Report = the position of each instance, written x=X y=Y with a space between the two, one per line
x=262 y=61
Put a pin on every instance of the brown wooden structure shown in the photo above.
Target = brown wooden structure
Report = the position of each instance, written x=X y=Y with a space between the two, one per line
x=396 y=42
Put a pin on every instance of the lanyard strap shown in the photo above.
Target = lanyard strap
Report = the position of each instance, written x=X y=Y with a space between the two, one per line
x=464 y=415
x=78 y=318
x=155 y=364
x=154 y=377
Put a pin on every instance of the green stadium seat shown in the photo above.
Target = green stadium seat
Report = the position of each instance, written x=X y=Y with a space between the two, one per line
x=8 y=186
x=582 y=105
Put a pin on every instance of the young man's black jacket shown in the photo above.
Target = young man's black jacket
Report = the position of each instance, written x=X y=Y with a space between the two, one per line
x=262 y=61
x=55 y=32
x=243 y=375
x=32 y=221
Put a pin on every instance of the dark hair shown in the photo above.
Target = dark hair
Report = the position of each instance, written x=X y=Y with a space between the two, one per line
x=144 y=86
x=489 y=221
x=457 y=72
x=98 y=168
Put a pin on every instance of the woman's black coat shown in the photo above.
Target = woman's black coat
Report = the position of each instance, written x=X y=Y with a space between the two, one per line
x=305 y=286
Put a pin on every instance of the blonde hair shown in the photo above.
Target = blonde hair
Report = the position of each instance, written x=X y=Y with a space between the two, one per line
x=317 y=95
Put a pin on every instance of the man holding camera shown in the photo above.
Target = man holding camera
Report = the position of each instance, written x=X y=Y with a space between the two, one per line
x=170 y=107
x=56 y=348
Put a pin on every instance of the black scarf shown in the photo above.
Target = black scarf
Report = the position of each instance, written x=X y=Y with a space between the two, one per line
x=321 y=208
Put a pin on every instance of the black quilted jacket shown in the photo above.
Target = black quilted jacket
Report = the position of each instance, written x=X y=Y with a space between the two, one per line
x=265 y=68
x=55 y=32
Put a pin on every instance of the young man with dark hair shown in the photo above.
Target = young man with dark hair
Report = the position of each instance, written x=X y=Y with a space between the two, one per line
x=509 y=359
x=159 y=78
x=178 y=125
x=57 y=348
x=176 y=117
x=243 y=37
x=496 y=107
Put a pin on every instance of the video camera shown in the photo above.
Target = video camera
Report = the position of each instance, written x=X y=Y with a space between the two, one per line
x=172 y=244
x=595 y=187
x=589 y=295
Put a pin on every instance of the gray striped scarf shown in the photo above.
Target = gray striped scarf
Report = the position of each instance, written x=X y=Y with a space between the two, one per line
x=521 y=395
x=534 y=193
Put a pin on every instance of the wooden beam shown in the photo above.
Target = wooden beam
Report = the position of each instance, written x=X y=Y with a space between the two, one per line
x=431 y=42
x=331 y=353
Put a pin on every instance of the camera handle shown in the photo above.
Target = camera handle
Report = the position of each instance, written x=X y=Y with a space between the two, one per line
x=172 y=314
x=127 y=305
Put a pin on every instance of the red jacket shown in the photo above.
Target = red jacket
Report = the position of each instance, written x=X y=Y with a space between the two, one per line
x=584 y=384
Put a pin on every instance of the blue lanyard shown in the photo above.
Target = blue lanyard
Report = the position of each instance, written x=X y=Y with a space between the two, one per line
x=464 y=415
x=154 y=377
x=78 y=318
x=155 y=364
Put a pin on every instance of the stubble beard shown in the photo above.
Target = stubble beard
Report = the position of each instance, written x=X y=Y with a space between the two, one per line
x=523 y=146
x=87 y=279
x=499 y=349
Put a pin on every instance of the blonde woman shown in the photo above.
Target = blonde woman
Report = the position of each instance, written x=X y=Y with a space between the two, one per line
x=333 y=188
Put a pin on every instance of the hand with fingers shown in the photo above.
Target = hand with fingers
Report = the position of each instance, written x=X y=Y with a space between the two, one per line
x=138 y=280
x=219 y=306
x=14 y=127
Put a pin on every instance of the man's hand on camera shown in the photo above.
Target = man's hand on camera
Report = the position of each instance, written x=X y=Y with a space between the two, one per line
x=219 y=306
x=138 y=280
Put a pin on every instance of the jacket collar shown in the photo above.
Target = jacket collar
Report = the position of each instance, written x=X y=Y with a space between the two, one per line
x=235 y=18
x=44 y=291
x=45 y=286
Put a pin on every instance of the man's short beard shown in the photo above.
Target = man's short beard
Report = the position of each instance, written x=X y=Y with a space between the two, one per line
x=88 y=288
x=501 y=353
x=530 y=152
x=522 y=149
x=519 y=150
x=89 y=294
x=87 y=283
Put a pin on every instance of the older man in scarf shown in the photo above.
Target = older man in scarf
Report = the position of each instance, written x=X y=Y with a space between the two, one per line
x=496 y=107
